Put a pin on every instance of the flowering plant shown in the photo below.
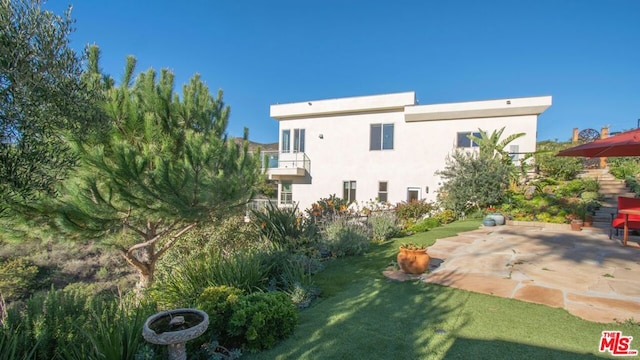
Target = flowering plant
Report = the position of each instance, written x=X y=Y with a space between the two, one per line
x=491 y=208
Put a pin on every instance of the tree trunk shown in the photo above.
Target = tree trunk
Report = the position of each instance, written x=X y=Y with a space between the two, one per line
x=145 y=280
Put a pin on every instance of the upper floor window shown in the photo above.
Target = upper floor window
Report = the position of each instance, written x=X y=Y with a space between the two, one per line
x=298 y=140
x=381 y=137
x=286 y=141
x=464 y=141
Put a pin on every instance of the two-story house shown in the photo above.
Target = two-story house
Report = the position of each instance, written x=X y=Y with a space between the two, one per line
x=384 y=147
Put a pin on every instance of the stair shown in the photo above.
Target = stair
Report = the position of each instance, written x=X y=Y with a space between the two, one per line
x=610 y=189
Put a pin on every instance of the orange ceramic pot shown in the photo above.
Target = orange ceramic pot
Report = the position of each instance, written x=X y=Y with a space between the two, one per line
x=413 y=261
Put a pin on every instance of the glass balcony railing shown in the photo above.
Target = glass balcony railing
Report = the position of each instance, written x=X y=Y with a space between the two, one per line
x=282 y=160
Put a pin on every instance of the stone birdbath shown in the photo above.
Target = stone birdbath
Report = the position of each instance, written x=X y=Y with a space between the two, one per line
x=174 y=328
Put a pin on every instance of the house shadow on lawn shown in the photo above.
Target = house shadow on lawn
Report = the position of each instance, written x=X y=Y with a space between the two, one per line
x=464 y=348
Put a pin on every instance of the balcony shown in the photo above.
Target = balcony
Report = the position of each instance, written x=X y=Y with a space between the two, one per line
x=280 y=165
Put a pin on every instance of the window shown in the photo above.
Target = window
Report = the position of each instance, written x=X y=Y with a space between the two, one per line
x=464 y=141
x=514 y=152
x=298 y=140
x=286 y=193
x=382 y=191
x=349 y=191
x=413 y=194
x=286 y=141
x=381 y=137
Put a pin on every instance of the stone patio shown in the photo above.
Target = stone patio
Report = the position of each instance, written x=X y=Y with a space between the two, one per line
x=584 y=272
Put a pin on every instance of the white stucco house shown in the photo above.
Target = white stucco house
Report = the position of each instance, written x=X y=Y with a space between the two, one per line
x=384 y=147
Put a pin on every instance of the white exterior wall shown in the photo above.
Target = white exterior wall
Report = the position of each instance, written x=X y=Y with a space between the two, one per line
x=420 y=149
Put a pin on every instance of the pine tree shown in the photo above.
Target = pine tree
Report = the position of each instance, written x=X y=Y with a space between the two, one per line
x=165 y=167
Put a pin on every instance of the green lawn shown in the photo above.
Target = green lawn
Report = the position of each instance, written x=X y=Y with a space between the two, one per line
x=363 y=315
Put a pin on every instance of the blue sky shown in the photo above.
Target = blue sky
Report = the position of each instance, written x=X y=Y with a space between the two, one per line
x=585 y=53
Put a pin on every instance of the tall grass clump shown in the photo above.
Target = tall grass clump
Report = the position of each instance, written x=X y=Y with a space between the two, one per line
x=182 y=286
x=286 y=228
x=113 y=331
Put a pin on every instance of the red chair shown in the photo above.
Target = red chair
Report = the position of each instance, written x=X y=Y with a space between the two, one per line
x=617 y=219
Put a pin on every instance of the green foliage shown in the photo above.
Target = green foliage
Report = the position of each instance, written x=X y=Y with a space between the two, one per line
x=345 y=237
x=255 y=321
x=17 y=277
x=384 y=226
x=262 y=319
x=413 y=210
x=492 y=147
x=113 y=331
x=229 y=234
x=11 y=341
x=219 y=303
x=590 y=196
x=623 y=167
x=425 y=225
x=165 y=166
x=285 y=227
x=43 y=100
x=445 y=216
x=590 y=185
x=181 y=287
x=472 y=181
x=633 y=184
x=557 y=167
x=576 y=187
x=73 y=325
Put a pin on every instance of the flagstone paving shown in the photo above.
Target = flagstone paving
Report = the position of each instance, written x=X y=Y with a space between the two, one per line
x=584 y=272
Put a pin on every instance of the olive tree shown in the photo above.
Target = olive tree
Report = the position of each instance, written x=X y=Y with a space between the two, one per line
x=44 y=100
x=472 y=181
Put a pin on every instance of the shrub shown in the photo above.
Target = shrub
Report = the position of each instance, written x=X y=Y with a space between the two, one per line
x=590 y=185
x=343 y=237
x=557 y=167
x=327 y=208
x=473 y=181
x=623 y=167
x=413 y=210
x=229 y=234
x=425 y=225
x=384 y=226
x=218 y=302
x=633 y=184
x=262 y=319
x=17 y=277
x=445 y=216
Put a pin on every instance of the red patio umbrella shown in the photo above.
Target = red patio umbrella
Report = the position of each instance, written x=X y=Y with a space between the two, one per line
x=623 y=144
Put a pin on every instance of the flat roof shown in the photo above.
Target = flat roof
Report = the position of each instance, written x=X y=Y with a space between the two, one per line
x=371 y=103
x=478 y=109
